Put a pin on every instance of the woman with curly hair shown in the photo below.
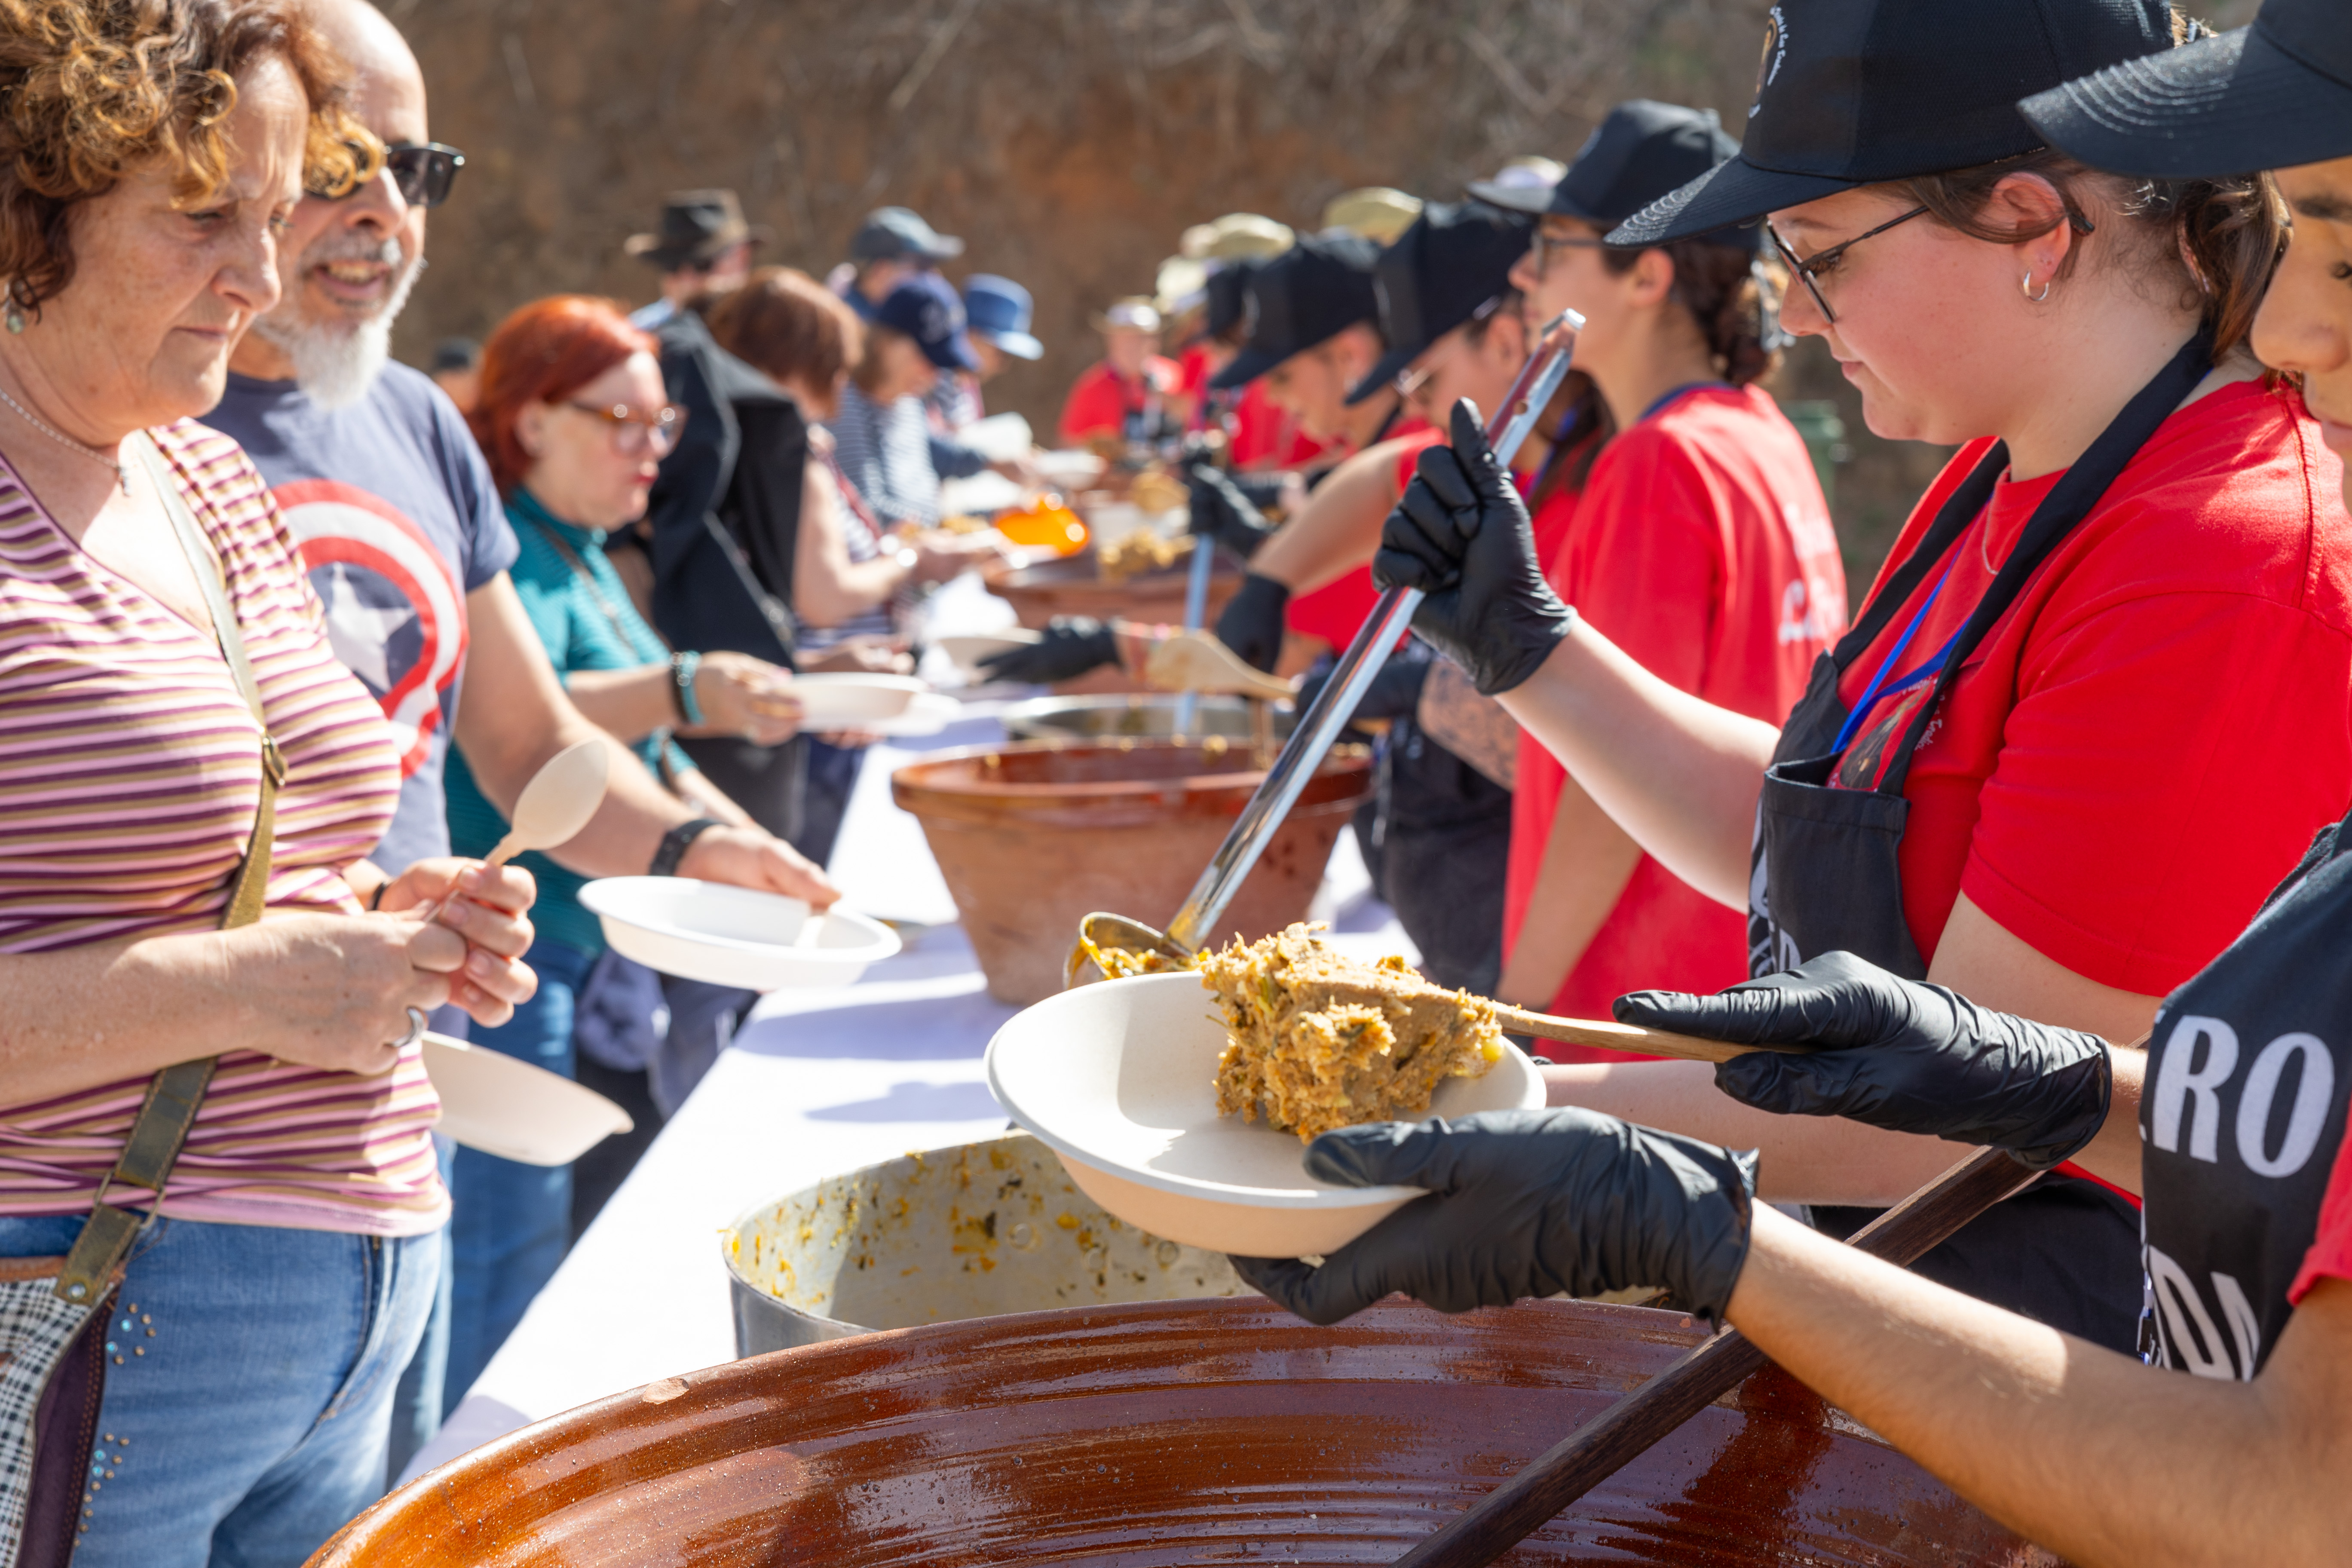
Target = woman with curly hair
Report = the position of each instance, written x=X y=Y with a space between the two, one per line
x=217 y=1177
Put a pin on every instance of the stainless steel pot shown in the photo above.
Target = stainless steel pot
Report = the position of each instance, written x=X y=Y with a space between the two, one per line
x=1152 y=717
x=971 y=1231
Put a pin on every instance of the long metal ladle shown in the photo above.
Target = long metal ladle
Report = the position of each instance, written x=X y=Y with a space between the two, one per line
x=1320 y=725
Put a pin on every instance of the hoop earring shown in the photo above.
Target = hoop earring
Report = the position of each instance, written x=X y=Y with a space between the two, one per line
x=2026 y=288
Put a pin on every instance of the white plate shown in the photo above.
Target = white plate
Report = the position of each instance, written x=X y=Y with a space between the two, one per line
x=509 y=1107
x=1069 y=468
x=844 y=701
x=967 y=650
x=928 y=714
x=733 y=936
x=1120 y=1080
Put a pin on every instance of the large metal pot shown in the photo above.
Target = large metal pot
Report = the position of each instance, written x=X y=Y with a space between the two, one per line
x=1143 y=717
x=1168 y=1433
x=973 y=1231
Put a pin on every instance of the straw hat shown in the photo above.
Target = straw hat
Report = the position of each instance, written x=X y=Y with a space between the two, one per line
x=1377 y=212
x=1237 y=236
x=1134 y=312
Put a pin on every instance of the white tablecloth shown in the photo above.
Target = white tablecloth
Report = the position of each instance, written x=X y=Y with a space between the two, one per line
x=818 y=1082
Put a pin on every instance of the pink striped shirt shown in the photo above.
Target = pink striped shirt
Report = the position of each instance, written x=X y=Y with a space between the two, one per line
x=130 y=769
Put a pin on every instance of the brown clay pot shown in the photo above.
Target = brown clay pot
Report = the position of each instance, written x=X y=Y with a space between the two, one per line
x=1166 y=1433
x=1072 y=585
x=1033 y=837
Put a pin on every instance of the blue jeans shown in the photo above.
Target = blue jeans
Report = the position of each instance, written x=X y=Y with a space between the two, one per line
x=512 y=1222
x=246 y=1424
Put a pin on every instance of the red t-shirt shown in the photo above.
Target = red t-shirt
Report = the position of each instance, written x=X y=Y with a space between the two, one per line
x=1265 y=436
x=1703 y=548
x=2330 y=1256
x=1336 y=612
x=2144 y=743
x=1101 y=399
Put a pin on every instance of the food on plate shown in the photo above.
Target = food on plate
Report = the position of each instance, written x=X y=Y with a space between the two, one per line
x=1122 y=963
x=1137 y=551
x=1317 y=1039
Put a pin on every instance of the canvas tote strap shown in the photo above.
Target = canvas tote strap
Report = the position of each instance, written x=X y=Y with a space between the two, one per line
x=170 y=1109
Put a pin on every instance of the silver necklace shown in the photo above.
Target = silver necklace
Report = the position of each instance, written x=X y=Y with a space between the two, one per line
x=121 y=469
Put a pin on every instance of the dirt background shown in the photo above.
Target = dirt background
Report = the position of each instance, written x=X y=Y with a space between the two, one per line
x=1068 y=142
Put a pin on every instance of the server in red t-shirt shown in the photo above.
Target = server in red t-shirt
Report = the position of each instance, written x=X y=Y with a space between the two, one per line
x=2232 y=1125
x=1128 y=394
x=2101 y=697
x=1700 y=545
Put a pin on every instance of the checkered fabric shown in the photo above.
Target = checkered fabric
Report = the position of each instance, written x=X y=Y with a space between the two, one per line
x=36 y=1328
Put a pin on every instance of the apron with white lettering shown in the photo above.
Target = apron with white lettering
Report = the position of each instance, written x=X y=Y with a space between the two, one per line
x=1825 y=875
x=2241 y=1119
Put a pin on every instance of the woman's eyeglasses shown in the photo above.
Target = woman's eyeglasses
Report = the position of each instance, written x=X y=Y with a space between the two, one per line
x=1540 y=248
x=1822 y=263
x=422 y=171
x=638 y=430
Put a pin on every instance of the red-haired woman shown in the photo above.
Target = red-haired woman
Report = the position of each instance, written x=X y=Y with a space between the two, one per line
x=575 y=422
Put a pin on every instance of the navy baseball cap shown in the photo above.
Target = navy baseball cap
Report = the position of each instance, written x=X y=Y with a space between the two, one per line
x=1455 y=262
x=1228 y=297
x=1000 y=311
x=927 y=310
x=1643 y=149
x=1310 y=293
x=2270 y=95
x=1854 y=92
x=890 y=233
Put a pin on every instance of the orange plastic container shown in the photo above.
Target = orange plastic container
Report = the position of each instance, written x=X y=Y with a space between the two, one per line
x=1044 y=523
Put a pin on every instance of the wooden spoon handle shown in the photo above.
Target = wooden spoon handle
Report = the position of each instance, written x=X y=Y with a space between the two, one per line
x=1611 y=1036
x=1606 y=1444
x=508 y=847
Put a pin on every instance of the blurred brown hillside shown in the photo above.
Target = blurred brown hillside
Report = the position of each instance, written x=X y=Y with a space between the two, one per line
x=1068 y=141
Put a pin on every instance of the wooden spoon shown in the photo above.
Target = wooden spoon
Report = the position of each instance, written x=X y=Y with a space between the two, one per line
x=557 y=803
x=1197 y=661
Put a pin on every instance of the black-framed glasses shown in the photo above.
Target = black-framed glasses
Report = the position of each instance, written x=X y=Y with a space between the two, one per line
x=1540 y=247
x=422 y=171
x=1825 y=261
x=635 y=429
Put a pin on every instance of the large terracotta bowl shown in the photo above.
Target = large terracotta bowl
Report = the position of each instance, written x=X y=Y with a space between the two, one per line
x=1073 y=586
x=1168 y=1433
x=1033 y=837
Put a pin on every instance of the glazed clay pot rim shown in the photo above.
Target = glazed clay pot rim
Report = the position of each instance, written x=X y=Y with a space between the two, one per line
x=919 y=781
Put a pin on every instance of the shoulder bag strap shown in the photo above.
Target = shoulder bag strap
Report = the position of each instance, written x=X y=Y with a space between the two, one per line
x=668 y=769
x=162 y=1125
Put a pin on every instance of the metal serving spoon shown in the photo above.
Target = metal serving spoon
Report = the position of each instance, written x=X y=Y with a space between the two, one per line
x=1320 y=725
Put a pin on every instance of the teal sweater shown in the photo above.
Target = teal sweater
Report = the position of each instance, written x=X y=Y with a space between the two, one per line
x=578 y=634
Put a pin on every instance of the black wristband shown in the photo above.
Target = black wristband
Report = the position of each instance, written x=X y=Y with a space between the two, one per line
x=674 y=845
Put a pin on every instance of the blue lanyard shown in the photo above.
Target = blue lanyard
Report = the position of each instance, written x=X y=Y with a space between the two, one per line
x=1871 y=694
x=1675 y=395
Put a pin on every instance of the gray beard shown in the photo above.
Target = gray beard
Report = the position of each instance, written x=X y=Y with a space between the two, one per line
x=335 y=362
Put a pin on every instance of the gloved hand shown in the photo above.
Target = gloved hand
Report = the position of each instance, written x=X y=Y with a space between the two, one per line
x=1525 y=1203
x=1461 y=535
x=1222 y=511
x=1252 y=623
x=1073 y=645
x=1395 y=691
x=1898 y=1055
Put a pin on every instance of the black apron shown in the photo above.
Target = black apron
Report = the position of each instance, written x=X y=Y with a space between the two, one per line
x=2248 y=1084
x=1825 y=877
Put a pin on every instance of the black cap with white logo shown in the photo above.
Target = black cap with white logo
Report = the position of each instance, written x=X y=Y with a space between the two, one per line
x=2270 y=95
x=1310 y=293
x=1453 y=263
x=1852 y=92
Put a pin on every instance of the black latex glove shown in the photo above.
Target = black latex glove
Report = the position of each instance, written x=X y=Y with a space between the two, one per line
x=1899 y=1054
x=1394 y=693
x=1222 y=511
x=1073 y=645
x=1525 y=1203
x=1461 y=535
x=1252 y=623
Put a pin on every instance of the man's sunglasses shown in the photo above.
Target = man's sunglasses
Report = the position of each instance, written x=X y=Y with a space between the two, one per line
x=422 y=171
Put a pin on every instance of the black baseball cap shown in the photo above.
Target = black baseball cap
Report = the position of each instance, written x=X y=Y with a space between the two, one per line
x=890 y=234
x=1454 y=260
x=1642 y=150
x=927 y=309
x=1227 y=294
x=1854 y=92
x=2270 y=95
x=1316 y=289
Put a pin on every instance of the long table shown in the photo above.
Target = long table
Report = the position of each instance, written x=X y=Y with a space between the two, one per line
x=818 y=1082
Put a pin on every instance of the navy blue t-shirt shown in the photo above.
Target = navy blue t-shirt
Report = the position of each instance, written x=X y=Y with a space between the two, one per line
x=398 y=520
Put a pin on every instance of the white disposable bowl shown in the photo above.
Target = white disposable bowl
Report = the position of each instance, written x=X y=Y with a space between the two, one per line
x=832 y=702
x=514 y=1110
x=967 y=649
x=1119 y=1079
x=928 y=714
x=733 y=936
